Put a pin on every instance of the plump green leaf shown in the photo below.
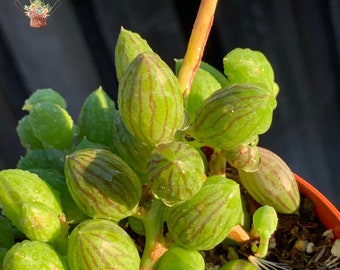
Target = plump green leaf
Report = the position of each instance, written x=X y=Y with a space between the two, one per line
x=176 y=172
x=101 y=244
x=233 y=116
x=29 y=255
x=52 y=125
x=21 y=189
x=248 y=66
x=26 y=134
x=96 y=118
x=102 y=184
x=179 y=258
x=129 y=45
x=44 y=95
x=273 y=183
x=150 y=100
x=205 y=220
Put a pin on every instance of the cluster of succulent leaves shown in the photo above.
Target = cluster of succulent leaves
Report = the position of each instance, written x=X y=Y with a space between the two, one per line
x=39 y=7
x=80 y=186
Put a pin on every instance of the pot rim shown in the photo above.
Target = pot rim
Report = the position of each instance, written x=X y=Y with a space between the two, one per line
x=328 y=214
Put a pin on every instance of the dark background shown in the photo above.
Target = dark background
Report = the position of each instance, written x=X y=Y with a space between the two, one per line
x=74 y=54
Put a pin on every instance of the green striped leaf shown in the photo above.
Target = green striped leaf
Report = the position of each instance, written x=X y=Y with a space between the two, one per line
x=102 y=184
x=272 y=184
x=102 y=245
x=205 y=220
x=233 y=116
x=150 y=100
x=176 y=172
x=129 y=45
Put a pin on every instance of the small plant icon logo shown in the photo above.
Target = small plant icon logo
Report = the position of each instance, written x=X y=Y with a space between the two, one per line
x=38 y=11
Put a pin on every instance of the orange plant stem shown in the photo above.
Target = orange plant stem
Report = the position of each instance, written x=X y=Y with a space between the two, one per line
x=196 y=45
x=238 y=234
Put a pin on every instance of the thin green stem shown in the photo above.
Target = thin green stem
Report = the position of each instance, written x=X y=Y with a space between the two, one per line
x=155 y=247
x=262 y=249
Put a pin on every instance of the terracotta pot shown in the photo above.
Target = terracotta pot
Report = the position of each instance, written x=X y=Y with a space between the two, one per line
x=38 y=21
x=328 y=214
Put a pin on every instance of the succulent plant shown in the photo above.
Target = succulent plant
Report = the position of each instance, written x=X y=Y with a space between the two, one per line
x=176 y=172
x=150 y=100
x=272 y=184
x=102 y=184
x=101 y=244
x=144 y=168
x=205 y=220
x=28 y=255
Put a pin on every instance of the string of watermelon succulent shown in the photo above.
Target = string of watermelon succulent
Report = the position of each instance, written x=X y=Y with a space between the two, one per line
x=144 y=166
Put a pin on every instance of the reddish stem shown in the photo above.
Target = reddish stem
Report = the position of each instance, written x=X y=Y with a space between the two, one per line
x=196 y=45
